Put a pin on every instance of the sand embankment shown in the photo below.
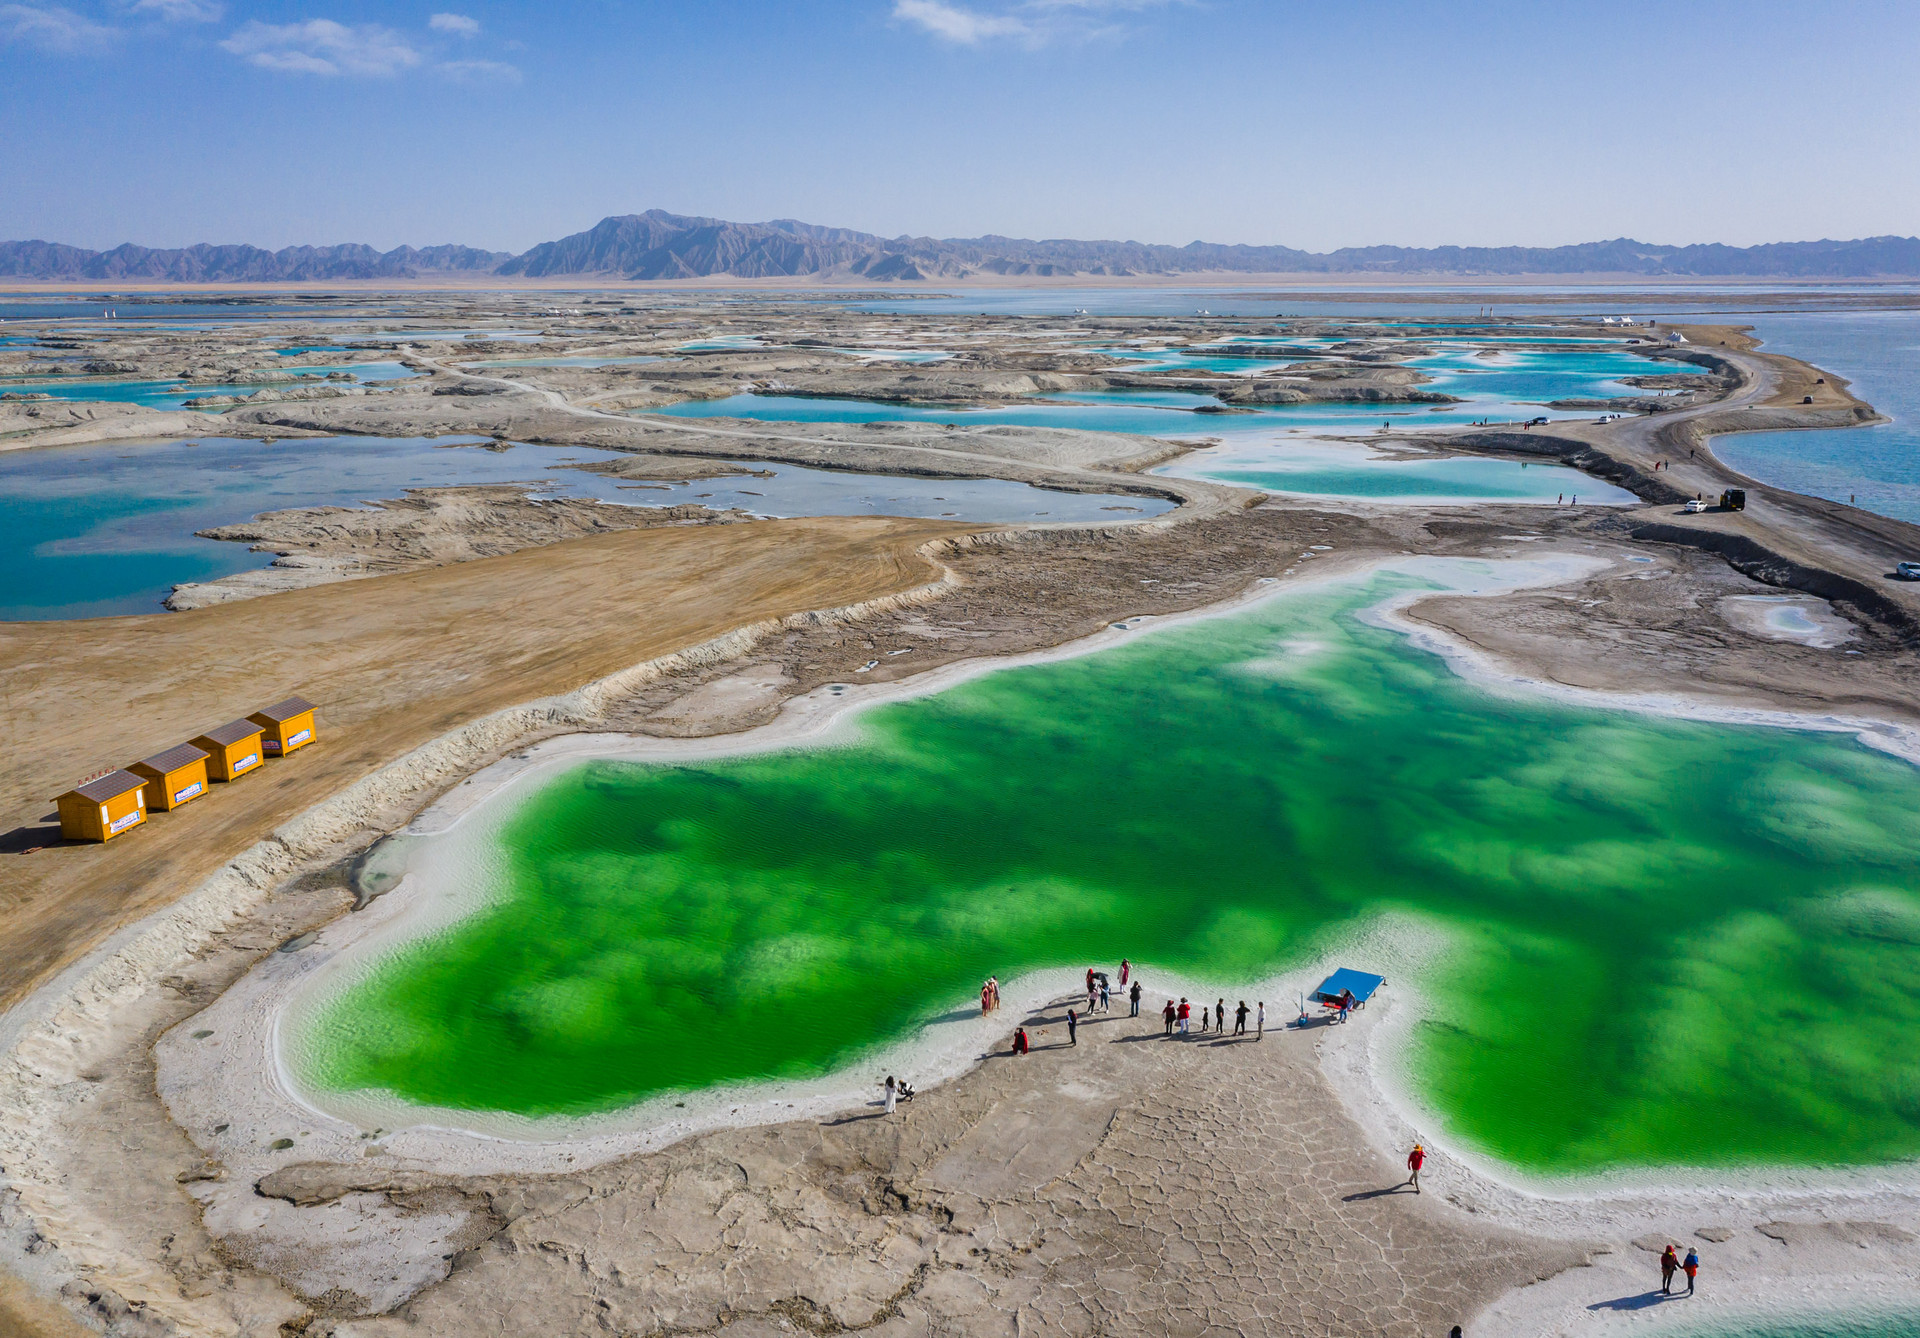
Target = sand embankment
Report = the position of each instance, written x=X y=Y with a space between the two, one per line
x=393 y=663
x=429 y=527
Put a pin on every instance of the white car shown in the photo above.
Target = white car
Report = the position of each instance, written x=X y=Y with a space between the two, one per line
x=1908 y=571
x=1694 y=507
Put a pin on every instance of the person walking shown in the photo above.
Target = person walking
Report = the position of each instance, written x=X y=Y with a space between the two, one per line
x=1415 y=1160
x=1260 y=1022
x=1691 y=1266
x=1133 y=997
x=1240 y=1019
x=1169 y=1013
x=1073 y=1028
x=1669 y=1262
x=892 y=1092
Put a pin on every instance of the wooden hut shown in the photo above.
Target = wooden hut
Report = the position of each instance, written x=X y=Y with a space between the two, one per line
x=232 y=750
x=285 y=726
x=174 y=777
x=102 y=808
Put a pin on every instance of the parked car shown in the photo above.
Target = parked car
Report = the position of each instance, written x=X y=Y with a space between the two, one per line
x=1694 y=507
x=1908 y=571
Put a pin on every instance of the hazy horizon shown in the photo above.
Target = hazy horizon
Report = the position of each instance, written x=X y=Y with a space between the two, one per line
x=173 y=122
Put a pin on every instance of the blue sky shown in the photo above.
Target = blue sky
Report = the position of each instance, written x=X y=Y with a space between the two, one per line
x=1311 y=124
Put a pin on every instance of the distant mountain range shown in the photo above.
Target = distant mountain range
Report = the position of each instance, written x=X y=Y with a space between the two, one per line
x=659 y=245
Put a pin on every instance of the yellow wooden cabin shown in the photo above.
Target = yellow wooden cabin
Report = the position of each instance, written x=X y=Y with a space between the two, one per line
x=101 y=809
x=174 y=777
x=285 y=726
x=232 y=750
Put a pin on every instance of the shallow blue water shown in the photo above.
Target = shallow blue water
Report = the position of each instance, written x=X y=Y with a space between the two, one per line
x=507 y=336
x=560 y=362
x=1866 y=1324
x=1317 y=468
x=916 y=356
x=174 y=394
x=90 y=531
x=1254 y=300
x=90 y=307
x=1877 y=468
x=1512 y=386
x=1525 y=377
x=1103 y=417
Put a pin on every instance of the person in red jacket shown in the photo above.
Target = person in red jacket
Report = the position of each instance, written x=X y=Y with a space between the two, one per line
x=1019 y=1040
x=1415 y=1160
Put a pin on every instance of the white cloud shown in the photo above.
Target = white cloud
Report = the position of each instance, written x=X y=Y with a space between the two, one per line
x=52 y=28
x=952 y=23
x=321 y=46
x=1031 y=23
x=478 y=72
x=181 y=11
x=458 y=24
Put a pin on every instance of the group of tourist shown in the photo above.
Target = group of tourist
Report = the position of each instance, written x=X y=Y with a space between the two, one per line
x=989 y=995
x=1179 y=1018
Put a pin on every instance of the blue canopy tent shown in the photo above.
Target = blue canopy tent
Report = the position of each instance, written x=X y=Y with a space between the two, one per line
x=1345 y=983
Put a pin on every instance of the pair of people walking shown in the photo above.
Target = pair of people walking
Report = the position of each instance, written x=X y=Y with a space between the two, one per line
x=1670 y=1263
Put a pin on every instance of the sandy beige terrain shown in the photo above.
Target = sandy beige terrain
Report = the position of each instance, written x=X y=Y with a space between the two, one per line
x=429 y=527
x=392 y=663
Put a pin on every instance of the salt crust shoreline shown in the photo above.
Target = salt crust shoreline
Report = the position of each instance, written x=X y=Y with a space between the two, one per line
x=1367 y=1068
x=50 y=1037
x=825 y=719
x=84 y=1014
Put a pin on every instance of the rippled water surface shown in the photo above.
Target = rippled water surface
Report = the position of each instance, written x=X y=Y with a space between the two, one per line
x=1877 y=467
x=1661 y=942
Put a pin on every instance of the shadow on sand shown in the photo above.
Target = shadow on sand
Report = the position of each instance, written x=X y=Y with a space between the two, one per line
x=1640 y=1302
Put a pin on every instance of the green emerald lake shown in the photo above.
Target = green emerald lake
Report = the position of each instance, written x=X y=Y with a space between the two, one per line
x=1662 y=941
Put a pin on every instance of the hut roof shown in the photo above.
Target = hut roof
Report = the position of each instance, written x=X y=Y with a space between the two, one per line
x=180 y=755
x=110 y=786
x=231 y=732
x=285 y=710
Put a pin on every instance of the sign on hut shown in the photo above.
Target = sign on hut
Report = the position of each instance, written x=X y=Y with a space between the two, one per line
x=232 y=750
x=285 y=725
x=102 y=808
x=173 y=777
